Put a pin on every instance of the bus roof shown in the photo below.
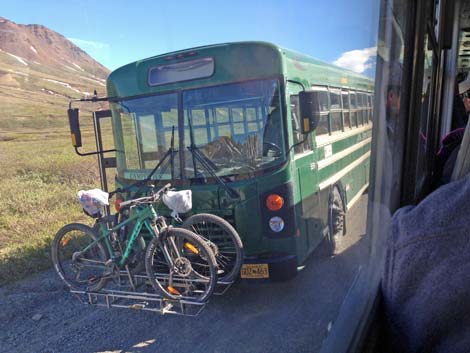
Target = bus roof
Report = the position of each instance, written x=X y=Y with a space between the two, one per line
x=236 y=61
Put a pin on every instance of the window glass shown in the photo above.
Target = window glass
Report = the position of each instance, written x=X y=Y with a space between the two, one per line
x=335 y=100
x=336 y=121
x=172 y=85
x=296 y=129
x=360 y=109
x=182 y=71
x=346 y=114
x=131 y=158
x=353 y=111
x=237 y=149
x=323 y=125
x=345 y=96
x=221 y=115
x=237 y=114
x=146 y=130
x=364 y=108
x=322 y=100
x=353 y=101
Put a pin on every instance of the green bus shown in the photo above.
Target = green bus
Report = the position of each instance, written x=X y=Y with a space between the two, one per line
x=229 y=122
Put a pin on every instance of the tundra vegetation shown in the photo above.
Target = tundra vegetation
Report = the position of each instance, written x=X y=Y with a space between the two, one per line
x=40 y=176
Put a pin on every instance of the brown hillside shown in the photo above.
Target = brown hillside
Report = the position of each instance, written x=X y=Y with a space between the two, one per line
x=40 y=71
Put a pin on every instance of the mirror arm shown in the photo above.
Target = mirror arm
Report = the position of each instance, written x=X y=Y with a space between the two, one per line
x=297 y=82
x=93 y=99
x=296 y=144
x=92 y=153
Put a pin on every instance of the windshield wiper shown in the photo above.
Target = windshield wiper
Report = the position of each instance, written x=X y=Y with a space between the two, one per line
x=197 y=154
x=208 y=165
x=171 y=151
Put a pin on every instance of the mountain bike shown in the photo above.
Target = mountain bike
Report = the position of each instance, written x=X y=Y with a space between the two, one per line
x=219 y=234
x=179 y=264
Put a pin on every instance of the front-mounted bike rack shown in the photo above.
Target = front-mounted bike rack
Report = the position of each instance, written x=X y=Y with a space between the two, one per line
x=140 y=296
x=131 y=292
x=139 y=301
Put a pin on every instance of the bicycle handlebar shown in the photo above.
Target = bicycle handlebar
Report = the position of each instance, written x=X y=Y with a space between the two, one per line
x=147 y=199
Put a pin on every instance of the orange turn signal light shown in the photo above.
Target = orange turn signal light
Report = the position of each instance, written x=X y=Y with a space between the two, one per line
x=274 y=202
x=117 y=205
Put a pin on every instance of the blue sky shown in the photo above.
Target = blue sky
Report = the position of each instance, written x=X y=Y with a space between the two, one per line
x=118 y=32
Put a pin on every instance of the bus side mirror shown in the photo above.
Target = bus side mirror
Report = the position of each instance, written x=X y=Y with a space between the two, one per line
x=74 y=127
x=309 y=111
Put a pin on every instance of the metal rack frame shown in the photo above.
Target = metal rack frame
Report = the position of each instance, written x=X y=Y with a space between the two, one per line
x=141 y=296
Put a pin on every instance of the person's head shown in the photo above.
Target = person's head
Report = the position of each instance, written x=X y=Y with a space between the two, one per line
x=464 y=92
x=466 y=101
x=394 y=88
x=393 y=99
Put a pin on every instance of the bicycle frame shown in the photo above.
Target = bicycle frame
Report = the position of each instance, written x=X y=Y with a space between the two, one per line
x=143 y=217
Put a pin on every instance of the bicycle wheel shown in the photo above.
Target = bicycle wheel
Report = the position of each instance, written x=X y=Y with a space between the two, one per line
x=181 y=266
x=223 y=240
x=79 y=268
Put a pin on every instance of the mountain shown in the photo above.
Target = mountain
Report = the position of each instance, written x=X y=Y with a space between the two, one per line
x=40 y=71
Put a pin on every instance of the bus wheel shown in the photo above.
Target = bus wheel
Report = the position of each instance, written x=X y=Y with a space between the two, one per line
x=336 y=221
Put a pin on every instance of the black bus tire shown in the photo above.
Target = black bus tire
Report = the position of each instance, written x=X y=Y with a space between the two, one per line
x=336 y=220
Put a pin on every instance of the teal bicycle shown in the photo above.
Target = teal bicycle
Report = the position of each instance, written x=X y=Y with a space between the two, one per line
x=179 y=264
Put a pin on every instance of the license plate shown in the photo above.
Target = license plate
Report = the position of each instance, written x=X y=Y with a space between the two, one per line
x=254 y=271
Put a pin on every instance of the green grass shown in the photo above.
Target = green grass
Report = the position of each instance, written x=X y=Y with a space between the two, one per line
x=39 y=180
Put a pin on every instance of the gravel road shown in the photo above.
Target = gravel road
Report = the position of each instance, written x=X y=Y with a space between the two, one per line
x=38 y=314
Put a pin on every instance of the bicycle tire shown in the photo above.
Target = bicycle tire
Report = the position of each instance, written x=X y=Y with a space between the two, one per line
x=229 y=254
x=68 y=241
x=194 y=276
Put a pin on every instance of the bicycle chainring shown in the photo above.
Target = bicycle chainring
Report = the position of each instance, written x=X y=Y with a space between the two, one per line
x=182 y=266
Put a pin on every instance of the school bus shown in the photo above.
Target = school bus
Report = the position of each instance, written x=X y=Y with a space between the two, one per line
x=274 y=141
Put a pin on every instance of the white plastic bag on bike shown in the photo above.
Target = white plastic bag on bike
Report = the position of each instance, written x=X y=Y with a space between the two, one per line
x=178 y=202
x=93 y=200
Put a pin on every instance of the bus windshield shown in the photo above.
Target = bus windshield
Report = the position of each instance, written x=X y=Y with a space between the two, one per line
x=238 y=128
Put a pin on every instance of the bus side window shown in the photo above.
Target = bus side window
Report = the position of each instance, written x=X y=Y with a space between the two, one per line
x=370 y=106
x=336 y=120
x=352 y=97
x=346 y=113
x=361 y=114
x=323 y=123
x=298 y=137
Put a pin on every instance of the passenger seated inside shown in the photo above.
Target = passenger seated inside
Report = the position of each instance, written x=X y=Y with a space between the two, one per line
x=426 y=279
x=447 y=155
x=461 y=108
x=426 y=282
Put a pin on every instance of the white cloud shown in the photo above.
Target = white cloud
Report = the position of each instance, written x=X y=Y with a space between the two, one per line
x=358 y=60
x=88 y=44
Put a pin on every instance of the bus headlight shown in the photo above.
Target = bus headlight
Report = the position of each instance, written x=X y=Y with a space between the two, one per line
x=276 y=224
